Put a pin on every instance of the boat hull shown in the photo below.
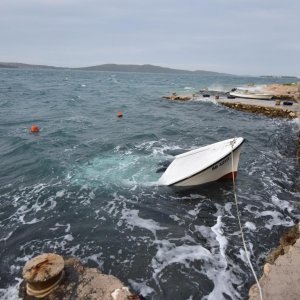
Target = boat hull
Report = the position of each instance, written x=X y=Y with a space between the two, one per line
x=205 y=164
x=221 y=170
x=252 y=96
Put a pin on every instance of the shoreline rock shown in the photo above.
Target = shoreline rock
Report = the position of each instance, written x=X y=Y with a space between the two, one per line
x=268 y=111
x=81 y=283
x=281 y=276
x=174 y=96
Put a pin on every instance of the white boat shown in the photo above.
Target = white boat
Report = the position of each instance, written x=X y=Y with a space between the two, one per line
x=205 y=164
x=250 y=94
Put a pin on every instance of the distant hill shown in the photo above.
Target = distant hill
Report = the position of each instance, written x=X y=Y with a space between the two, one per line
x=115 y=68
x=145 y=69
x=25 y=66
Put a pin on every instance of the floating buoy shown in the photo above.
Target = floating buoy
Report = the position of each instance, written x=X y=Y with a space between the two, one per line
x=34 y=129
x=120 y=114
x=43 y=274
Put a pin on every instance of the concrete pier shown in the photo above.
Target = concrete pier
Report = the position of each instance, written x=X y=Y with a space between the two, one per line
x=281 y=275
x=269 y=108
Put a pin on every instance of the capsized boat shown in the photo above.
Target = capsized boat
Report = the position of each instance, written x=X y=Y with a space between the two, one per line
x=205 y=164
x=250 y=94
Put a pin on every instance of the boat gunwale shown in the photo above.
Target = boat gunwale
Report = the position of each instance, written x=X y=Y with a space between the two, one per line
x=204 y=148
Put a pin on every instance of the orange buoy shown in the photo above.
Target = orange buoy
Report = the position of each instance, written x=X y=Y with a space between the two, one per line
x=34 y=129
x=120 y=114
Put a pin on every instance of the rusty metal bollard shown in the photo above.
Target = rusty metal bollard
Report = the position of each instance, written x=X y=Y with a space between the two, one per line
x=43 y=274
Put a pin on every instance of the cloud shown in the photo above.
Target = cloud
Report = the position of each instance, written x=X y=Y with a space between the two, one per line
x=224 y=33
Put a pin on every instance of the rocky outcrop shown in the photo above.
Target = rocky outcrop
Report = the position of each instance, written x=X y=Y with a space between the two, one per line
x=81 y=283
x=271 y=112
x=174 y=96
x=281 y=275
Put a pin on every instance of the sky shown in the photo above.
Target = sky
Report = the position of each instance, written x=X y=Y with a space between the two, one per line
x=245 y=37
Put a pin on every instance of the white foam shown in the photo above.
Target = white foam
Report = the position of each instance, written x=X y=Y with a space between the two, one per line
x=276 y=219
x=133 y=220
x=205 y=99
x=168 y=254
x=96 y=258
x=60 y=194
x=195 y=211
x=217 y=229
x=11 y=292
x=174 y=217
x=251 y=226
x=283 y=204
x=218 y=271
x=7 y=237
x=141 y=287
x=33 y=221
x=118 y=168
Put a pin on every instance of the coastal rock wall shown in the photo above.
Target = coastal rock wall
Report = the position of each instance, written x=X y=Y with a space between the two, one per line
x=281 y=275
x=271 y=112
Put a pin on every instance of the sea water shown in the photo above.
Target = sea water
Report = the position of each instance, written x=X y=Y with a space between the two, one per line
x=86 y=185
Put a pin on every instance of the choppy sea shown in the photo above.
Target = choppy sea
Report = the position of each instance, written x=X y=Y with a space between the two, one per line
x=86 y=185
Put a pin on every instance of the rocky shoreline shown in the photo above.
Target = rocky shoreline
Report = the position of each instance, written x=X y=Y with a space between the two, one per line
x=272 y=112
x=281 y=275
x=75 y=281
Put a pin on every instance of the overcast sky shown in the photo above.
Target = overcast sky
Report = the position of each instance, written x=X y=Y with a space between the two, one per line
x=254 y=37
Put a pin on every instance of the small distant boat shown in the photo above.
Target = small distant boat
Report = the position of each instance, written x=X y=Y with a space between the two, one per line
x=249 y=94
x=205 y=164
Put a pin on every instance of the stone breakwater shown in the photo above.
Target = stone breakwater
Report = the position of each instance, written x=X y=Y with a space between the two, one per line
x=174 y=96
x=271 y=112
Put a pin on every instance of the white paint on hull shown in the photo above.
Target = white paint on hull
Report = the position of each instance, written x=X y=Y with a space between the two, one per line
x=203 y=165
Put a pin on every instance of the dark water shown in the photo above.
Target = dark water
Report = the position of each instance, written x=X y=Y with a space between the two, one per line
x=86 y=184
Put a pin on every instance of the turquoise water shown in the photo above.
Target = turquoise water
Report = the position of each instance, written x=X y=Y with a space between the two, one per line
x=86 y=185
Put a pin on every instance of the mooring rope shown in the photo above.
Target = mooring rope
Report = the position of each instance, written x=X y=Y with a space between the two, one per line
x=240 y=225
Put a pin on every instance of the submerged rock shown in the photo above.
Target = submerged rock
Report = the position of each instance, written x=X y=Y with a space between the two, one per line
x=81 y=283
